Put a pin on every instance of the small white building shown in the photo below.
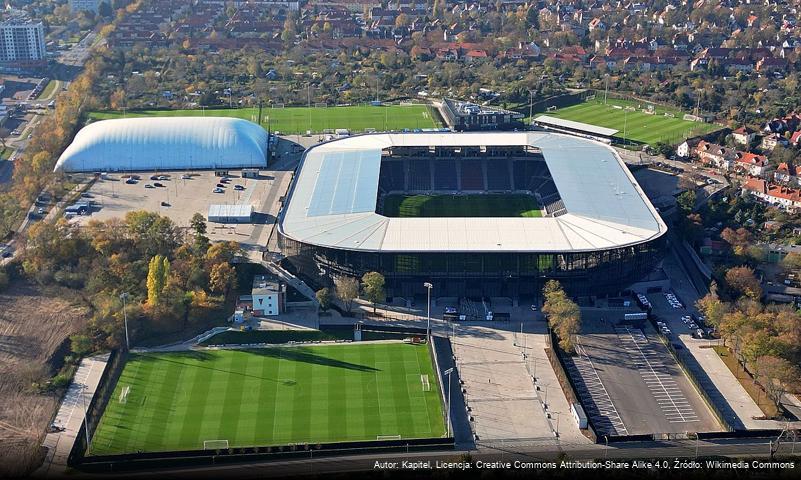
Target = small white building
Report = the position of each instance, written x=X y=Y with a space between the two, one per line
x=268 y=296
x=230 y=213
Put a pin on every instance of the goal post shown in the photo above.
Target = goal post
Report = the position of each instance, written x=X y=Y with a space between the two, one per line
x=425 y=382
x=124 y=394
x=215 y=444
x=321 y=105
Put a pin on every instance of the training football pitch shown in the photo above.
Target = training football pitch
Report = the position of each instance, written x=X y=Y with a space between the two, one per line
x=461 y=206
x=294 y=120
x=636 y=125
x=271 y=396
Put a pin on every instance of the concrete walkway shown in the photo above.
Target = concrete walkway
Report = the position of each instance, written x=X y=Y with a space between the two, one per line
x=71 y=415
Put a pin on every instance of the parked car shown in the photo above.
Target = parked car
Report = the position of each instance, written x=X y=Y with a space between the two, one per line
x=149 y=186
x=220 y=185
x=186 y=176
x=154 y=177
x=131 y=181
x=238 y=187
x=218 y=190
x=157 y=184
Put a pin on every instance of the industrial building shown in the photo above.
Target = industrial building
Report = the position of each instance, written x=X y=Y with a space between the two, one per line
x=166 y=143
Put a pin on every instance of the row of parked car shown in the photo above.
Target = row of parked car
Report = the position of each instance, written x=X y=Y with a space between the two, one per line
x=673 y=300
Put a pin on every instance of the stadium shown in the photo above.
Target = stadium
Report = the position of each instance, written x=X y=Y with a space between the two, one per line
x=476 y=214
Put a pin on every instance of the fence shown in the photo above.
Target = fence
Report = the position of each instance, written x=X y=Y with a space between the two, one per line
x=108 y=380
x=197 y=458
x=566 y=382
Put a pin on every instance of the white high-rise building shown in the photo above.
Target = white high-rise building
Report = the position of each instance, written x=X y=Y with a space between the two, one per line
x=22 y=43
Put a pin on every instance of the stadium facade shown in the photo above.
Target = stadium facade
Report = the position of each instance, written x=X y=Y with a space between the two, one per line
x=598 y=231
x=166 y=143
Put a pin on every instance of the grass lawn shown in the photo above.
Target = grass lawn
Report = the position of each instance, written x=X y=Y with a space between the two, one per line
x=639 y=127
x=300 y=119
x=756 y=392
x=48 y=90
x=271 y=396
x=461 y=206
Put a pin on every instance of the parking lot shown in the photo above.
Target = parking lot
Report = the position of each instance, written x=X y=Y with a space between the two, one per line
x=179 y=195
x=630 y=384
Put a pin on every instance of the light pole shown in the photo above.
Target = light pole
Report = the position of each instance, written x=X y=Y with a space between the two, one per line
x=558 y=416
x=606 y=450
x=448 y=372
x=123 y=297
x=530 y=107
x=606 y=91
x=428 y=314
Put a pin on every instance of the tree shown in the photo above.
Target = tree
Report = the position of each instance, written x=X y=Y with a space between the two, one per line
x=711 y=306
x=373 y=286
x=743 y=281
x=792 y=260
x=347 y=289
x=198 y=224
x=157 y=273
x=739 y=239
x=564 y=315
x=81 y=344
x=222 y=278
x=776 y=375
x=323 y=298
x=686 y=201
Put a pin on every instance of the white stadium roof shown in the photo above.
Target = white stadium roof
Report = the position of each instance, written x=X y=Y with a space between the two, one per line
x=165 y=143
x=333 y=200
x=550 y=121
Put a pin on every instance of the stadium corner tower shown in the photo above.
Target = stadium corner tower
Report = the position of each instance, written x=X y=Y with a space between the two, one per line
x=391 y=203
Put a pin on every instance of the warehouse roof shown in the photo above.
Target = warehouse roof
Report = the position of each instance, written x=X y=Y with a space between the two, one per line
x=165 y=143
x=333 y=200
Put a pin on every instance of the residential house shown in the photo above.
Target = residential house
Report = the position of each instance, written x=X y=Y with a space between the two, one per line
x=769 y=142
x=743 y=135
x=778 y=195
x=786 y=174
x=750 y=163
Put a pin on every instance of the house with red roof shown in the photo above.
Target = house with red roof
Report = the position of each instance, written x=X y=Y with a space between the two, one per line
x=778 y=195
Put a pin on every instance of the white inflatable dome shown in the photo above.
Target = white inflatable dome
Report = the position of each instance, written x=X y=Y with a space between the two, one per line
x=165 y=143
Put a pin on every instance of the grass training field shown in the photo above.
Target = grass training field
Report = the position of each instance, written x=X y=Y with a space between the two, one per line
x=461 y=206
x=300 y=119
x=271 y=396
x=639 y=127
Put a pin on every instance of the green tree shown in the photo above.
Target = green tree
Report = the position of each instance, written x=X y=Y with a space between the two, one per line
x=198 y=224
x=373 y=286
x=157 y=273
x=81 y=344
x=686 y=201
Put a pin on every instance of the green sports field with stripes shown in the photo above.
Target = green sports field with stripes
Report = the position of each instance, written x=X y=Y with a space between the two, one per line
x=296 y=120
x=639 y=126
x=461 y=206
x=271 y=396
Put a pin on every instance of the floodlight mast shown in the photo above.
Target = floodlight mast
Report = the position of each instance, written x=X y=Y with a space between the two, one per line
x=428 y=286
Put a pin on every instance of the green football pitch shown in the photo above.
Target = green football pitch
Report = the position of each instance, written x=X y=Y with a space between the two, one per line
x=271 y=396
x=638 y=126
x=300 y=119
x=461 y=206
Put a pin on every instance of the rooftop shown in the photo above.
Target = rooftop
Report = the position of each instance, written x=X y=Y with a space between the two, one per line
x=550 y=121
x=333 y=200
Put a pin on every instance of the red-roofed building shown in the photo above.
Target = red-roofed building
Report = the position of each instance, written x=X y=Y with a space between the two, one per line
x=781 y=196
x=751 y=163
x=786 y=174
x=743 y=135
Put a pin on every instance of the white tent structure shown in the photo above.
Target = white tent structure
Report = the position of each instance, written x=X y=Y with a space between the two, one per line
x=166 y=143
